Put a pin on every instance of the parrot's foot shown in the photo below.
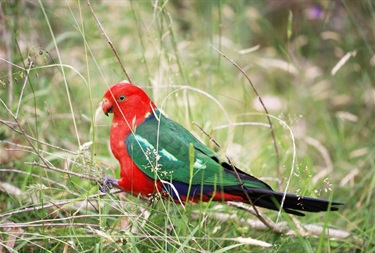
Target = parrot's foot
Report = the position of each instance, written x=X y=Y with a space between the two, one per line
x=151 y=198
x=109 y=183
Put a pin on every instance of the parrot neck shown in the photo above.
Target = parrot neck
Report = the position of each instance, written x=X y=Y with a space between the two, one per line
x=125 y=123
x=128 y=118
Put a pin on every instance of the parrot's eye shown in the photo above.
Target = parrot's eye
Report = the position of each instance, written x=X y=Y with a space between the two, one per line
x=121 y=98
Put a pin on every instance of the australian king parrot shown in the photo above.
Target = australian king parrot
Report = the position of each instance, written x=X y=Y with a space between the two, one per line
x=156 y=154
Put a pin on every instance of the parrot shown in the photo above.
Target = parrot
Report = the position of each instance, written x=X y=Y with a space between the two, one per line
x=158 y=155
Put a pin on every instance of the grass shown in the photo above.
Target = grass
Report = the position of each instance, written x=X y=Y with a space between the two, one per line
x=289 y=51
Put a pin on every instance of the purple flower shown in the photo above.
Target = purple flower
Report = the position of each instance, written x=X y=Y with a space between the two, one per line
x=314 y=12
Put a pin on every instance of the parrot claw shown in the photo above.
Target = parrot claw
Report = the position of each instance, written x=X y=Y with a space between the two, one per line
x=109 y=183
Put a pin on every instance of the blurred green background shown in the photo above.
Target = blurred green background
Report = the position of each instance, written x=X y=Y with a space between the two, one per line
x=312 y=62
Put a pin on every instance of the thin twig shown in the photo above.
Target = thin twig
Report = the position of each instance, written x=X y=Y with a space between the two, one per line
x=242 y=124
x=50 y=222
x=257 y=213
x=9 y=124
x=58 y=204
x=23 y=133
x=209 y=136
x=52 y=182
x=251 y=209
x=309 y=230
x=47 y=224
x=109 y=41
x=266 y=111
x=62 y=171
x=23 y=87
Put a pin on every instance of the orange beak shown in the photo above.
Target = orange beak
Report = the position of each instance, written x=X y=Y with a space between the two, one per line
x=107 y=106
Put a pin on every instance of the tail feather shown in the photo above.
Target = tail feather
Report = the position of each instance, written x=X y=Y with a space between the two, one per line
x=267 y=198
x=293 y=204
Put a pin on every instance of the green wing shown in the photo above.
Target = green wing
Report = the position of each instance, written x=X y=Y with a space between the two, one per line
x=164 y=150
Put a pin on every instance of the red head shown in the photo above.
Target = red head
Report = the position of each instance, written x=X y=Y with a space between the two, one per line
x=126 y=101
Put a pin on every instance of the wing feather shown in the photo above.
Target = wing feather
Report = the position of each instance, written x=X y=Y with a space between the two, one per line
x=160 y=147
